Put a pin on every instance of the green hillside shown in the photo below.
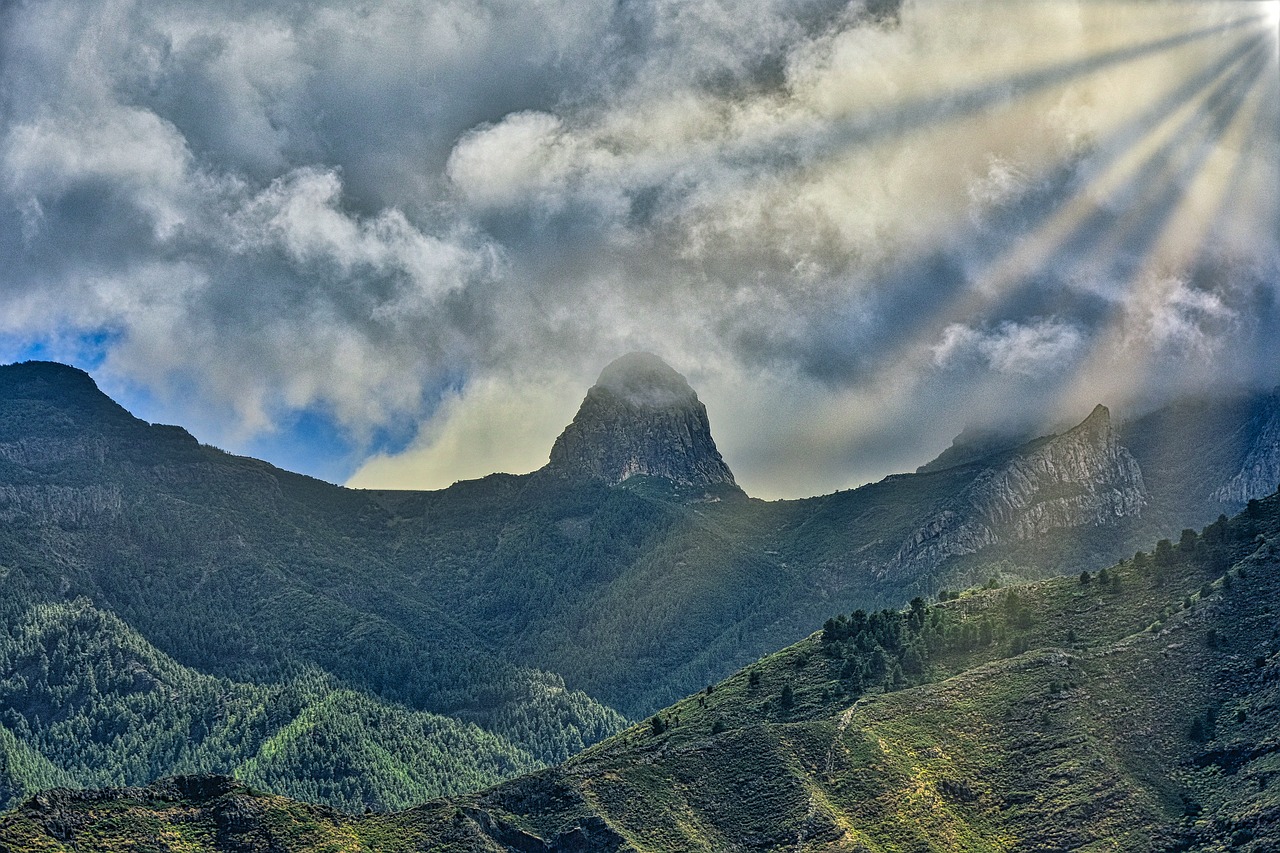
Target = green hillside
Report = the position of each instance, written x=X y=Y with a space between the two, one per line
x=241 y=571
x=87 y=701
x=1131 y=709
x=531 y=606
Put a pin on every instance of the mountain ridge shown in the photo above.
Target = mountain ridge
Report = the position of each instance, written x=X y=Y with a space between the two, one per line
x=545 y=609
x=1082 y=476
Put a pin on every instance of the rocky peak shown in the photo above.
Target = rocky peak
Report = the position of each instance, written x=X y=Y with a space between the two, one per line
x=641 y=418
x=1098 y=424
x=1083 y=477
x=645 y=381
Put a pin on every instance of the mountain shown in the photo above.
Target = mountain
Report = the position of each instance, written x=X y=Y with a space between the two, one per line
x=238 y=571
x=546 y=609
x=641 y=419
x=1133 y=709
x=1081 y=478
x=1208 y=455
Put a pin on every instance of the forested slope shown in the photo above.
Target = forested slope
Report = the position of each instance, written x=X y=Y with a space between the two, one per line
x=86 y=700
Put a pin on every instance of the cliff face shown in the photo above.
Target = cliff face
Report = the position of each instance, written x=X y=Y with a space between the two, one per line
x=641 y=418
x=1259 y=475
x=1081 y=478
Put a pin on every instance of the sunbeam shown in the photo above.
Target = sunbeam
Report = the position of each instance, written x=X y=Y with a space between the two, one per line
x=1138 y=217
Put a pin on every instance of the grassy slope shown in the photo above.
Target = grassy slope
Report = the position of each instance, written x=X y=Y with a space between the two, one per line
x=1142 y=715
x=1065 y=745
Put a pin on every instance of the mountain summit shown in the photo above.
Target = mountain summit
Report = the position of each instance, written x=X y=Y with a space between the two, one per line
x=641 y=418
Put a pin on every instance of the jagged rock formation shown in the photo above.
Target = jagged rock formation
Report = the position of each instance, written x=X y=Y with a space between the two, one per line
x=641 y=418
x=1081 y=478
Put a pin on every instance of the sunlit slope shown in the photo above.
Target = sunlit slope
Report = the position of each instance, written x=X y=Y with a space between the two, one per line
x=1134 y=710
x=1140 y=712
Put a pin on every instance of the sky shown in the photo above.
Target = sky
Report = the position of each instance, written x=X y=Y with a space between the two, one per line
x=391 y=244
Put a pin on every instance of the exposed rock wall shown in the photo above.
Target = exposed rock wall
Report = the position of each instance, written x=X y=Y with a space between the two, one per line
x=65 y=506
x=1260 y=474
x=641 y=418
x=35 y=450
x=1081 y=478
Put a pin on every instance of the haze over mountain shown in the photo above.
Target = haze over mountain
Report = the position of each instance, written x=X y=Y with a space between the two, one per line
x=641 y=418
x=542 y=608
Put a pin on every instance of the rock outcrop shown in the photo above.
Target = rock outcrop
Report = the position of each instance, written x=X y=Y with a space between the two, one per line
x=1081 y=478
x=641 y=418
x=1259 y=475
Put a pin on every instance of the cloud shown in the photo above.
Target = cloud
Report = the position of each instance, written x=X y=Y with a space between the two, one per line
x=499 y=163
x=499 y=425
x=1035 y=349
x=870 y=217
x=131 y=149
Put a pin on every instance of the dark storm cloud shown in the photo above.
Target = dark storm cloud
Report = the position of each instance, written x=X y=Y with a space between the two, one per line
x=854 y=226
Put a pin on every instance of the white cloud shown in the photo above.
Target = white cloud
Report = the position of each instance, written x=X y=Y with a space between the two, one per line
x=275 y=207
x=498 y=163
x=302 y=213
x=128 y=149
x=1169 y=317
x=1035 y=349
x=503 y=424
